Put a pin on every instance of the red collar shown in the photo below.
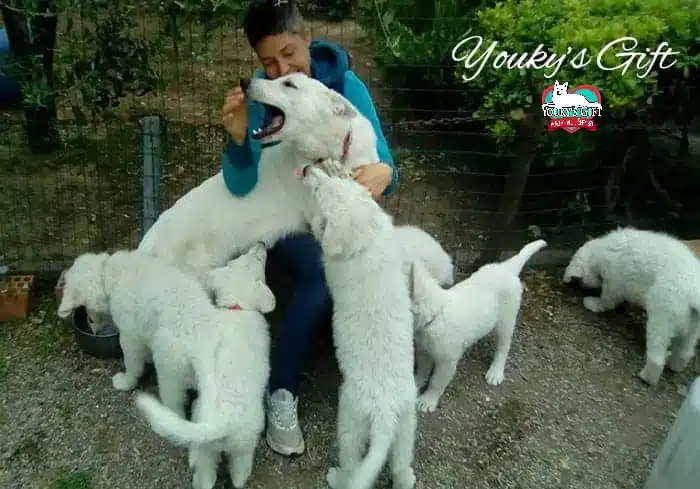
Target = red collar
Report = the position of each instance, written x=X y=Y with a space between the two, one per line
x=346 y=146
x=234 y=307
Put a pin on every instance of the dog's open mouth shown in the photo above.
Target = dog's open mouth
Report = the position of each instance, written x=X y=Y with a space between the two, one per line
x=275 y=126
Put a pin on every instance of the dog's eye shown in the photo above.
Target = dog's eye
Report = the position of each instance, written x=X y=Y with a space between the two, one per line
x=289 y=84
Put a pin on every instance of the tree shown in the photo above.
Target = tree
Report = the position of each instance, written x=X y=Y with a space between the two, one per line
x=31 y=31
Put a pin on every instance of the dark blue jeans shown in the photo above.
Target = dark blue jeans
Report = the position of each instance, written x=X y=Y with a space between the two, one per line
x=309 y=309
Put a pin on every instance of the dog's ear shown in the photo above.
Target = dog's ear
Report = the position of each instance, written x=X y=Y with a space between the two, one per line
x=68 y=304
x=340 y=106
x=265 y=299
x=334 y=239
x=565 y=85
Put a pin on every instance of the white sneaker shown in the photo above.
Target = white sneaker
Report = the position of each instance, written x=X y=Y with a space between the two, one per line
x=283 y=434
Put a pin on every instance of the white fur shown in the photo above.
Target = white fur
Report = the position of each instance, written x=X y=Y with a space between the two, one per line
x=372 y=333
x=416 y=244
x=223 y=353
x=209 y=225
x=448 y=321
x=652 y=270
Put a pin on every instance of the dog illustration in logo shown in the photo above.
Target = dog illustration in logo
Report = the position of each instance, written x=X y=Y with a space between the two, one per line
x=561 y=98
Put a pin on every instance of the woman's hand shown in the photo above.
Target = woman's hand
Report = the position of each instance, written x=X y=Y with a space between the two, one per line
x=234 y=114
x=376 y=177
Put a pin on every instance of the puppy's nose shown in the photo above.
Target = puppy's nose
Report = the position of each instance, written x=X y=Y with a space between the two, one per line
x=305 y=170
x=245 y=83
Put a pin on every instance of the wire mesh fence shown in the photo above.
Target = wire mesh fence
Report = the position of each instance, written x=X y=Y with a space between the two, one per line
x=88 y=195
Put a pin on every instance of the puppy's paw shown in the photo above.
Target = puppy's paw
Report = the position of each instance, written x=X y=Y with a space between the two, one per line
x=651 y=374
x=203 y=479
x=421 y=382
x=677 y=363
x=593 y=304
x=124 y=382
x=406 y=479
x=427 y=403
x=495 y=376
x=335 y=478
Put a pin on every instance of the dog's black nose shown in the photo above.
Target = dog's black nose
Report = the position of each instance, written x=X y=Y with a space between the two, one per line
x=245 y=83
x=305 y=170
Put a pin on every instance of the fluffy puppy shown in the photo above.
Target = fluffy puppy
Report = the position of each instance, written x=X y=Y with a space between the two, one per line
x=652 y=270
x=448 y=321
x=372 y=331
x=223 y=353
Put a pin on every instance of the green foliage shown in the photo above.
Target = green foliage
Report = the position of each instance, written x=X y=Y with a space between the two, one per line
x=99 y=59
x=414 y=39
x=519 y=26
x=332 y=10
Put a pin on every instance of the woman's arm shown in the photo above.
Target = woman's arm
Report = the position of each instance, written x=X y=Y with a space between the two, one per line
x=357 y=93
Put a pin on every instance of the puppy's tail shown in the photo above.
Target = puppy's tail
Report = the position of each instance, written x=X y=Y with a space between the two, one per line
x=516 y=263
x=171 y=426
x=382 y=433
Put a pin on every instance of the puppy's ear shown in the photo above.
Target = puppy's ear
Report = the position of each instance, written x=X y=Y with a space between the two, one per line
x=341 y=107
x=65 y=308
x=335 y=240
x=265 y=299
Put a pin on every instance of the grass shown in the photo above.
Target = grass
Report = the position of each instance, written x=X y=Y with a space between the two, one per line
x=72 y=480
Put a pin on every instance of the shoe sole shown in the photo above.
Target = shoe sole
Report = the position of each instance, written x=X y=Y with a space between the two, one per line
x=283 y=450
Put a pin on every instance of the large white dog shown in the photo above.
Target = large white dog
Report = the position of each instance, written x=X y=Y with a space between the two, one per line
x=372 y=331
x=652 y=270
x=162 y=309
x=209 y=225
x=448 y=321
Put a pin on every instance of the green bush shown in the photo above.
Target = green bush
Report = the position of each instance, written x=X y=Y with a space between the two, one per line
x=413 y=46
x=519 y=26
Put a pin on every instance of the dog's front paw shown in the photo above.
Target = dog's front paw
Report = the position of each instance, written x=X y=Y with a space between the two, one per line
x=421 y=382
x=651 y=373
x=427 y=403
x=203 y=479
x=406 y=479
x=124 y=382
x=593 y=304
x=678 y=363
x=494 y=376
x=335 y=478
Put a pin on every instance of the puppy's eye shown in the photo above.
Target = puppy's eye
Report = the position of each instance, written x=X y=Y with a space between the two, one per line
x=289 y=84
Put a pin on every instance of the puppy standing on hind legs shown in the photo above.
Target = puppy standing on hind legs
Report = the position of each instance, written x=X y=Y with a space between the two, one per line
x=448 y=321
x=372 y=332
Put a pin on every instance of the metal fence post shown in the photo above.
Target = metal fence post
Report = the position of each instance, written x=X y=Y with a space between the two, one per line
x=678 y=463
x=151 y=151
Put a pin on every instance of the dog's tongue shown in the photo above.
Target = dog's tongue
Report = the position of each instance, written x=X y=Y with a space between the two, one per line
x=299 y=172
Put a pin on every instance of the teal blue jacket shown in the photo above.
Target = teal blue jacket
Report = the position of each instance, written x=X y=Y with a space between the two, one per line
x=330 y=65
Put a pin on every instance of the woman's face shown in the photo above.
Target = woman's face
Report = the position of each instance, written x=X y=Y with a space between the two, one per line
x=281 y=54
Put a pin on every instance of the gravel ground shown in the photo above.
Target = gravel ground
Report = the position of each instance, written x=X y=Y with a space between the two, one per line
x=571 y=413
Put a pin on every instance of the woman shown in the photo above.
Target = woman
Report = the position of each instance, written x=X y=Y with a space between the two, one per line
x=276 y=32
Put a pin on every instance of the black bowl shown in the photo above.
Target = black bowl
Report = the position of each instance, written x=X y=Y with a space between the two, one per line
x=103 y=345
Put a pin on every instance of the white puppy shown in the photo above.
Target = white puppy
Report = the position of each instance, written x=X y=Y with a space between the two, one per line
x=209 y=225
x=157 y=307
x=371 y=330
x=448 y=321
x=652 y=270
x=231 y=368
x=417 y=244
